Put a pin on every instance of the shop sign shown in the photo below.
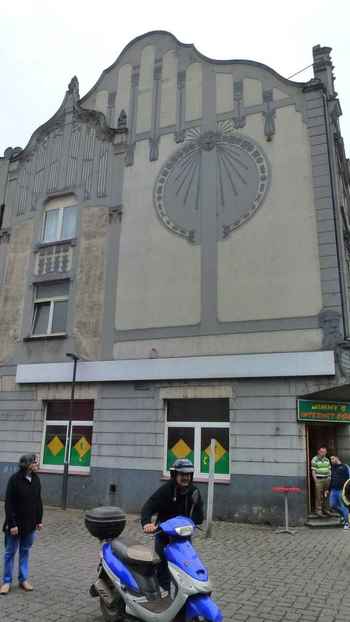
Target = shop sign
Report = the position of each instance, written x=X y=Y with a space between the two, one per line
x=329 y=412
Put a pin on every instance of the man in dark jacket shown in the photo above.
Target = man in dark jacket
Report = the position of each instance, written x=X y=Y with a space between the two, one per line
x=178 y=497
x=23 y=515
x=340 y=474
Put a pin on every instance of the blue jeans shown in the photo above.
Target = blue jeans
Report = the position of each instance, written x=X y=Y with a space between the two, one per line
x=11 y=545
x=336 y=502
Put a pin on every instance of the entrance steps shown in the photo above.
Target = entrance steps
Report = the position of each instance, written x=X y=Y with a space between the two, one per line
x=325 y=522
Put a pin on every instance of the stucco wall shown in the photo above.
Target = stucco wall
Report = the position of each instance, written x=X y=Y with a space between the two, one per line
x=90 y=282
x=241 y=343
x=12 y=288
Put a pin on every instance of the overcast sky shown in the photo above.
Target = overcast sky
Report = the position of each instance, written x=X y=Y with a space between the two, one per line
x=43 y=43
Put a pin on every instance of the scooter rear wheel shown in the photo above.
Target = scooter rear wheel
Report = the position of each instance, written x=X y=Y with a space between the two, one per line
x=114 y=613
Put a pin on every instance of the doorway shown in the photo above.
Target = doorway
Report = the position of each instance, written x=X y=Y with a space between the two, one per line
x=318 y=434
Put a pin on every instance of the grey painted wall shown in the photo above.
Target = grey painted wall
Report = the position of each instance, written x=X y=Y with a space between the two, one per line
x=267 y=446
x=246 y=498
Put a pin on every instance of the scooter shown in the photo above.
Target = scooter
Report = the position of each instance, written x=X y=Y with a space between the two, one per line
x=128 y=585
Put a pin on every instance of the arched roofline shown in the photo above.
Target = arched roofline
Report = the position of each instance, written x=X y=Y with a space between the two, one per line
x=200 y=56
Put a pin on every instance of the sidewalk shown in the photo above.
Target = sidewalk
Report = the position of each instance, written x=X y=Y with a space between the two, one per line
x=258 y=575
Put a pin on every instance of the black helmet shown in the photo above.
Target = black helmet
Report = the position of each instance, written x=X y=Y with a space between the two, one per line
x=182 y=465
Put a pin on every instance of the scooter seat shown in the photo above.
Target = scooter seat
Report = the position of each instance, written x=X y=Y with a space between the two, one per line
x=134 y=554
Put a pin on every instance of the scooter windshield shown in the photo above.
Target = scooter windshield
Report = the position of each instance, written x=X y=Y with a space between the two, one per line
x=180 y=526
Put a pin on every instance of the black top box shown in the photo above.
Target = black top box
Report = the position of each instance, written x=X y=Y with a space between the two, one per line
x=106 y=522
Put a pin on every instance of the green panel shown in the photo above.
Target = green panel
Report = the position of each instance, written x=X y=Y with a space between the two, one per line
x=80 y=461
x=171 y=459
x=222 y=466
x=54 y=449
x=222 y=437
x=335 y=412
x=51 y=459
x=80 y=455
x=180 y=444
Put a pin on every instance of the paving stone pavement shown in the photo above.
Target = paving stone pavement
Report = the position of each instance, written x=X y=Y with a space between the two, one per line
x=258 y=575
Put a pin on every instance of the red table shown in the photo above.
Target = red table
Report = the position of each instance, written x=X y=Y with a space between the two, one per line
x=286 y=490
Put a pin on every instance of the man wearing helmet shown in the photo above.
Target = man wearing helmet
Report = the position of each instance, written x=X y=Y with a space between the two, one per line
x=178 y=497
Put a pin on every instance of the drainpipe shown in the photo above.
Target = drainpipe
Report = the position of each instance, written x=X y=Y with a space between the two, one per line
x=336 y=212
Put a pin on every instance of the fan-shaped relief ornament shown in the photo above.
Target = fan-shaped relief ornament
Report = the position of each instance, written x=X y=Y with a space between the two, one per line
x=242 y=181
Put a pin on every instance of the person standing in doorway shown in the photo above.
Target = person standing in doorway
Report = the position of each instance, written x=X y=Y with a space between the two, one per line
x=23 y=516
x=321 y=473
x=340 y=474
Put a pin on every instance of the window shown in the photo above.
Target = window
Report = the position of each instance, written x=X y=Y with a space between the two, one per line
x=191 y=424
x=59 y=220
x=50 y=308
x=60 y=438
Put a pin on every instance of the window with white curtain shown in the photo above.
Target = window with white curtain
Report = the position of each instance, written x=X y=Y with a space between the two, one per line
x=60 y=219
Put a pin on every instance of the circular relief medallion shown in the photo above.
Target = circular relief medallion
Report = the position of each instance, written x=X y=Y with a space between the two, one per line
x=242 y=180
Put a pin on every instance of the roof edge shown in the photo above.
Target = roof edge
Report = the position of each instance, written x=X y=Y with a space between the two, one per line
x=200 y=55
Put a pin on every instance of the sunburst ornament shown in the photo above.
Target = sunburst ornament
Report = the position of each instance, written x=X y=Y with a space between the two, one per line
x=242 y=181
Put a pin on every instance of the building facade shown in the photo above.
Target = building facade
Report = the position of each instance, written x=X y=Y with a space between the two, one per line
x=184 y=229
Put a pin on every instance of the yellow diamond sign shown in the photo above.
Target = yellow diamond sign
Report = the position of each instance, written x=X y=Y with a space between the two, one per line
x=82 y=447
x=55 y=445
x=219 y=451
x=181 y=449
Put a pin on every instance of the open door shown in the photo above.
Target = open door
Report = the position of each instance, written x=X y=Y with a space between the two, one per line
x=318 y=434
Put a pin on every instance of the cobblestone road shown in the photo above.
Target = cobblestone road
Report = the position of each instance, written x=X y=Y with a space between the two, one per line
x=258 y=575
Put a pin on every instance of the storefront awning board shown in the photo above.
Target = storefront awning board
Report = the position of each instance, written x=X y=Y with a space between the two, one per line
x=282 y=364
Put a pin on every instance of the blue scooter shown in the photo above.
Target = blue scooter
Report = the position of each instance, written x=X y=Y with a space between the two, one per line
x=128 y=585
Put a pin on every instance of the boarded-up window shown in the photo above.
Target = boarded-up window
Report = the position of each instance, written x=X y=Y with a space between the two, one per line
x=68 y=432
x=191 y=424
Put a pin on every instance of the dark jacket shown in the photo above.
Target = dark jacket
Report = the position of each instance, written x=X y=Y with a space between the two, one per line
x=167 y=502
x=23 y=504
x=340 y=473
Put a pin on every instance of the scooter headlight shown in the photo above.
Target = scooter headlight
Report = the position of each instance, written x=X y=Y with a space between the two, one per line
x=185 y=530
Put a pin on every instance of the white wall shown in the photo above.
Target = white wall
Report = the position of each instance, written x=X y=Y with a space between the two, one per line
x=144 y=108
x=168 y=90
x=159 y=273
x=269 y=267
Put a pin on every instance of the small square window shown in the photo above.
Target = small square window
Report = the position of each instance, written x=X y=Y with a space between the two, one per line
x=50 y=309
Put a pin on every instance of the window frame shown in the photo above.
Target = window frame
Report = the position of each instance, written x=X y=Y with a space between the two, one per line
x=58 y=468
x=52 y=300
x=197 y=426
x=59 y=226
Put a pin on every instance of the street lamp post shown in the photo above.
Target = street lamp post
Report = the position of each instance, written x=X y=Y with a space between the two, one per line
x=75 y=359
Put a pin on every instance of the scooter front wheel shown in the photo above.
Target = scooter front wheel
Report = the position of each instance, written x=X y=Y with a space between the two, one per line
x=114 y=613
